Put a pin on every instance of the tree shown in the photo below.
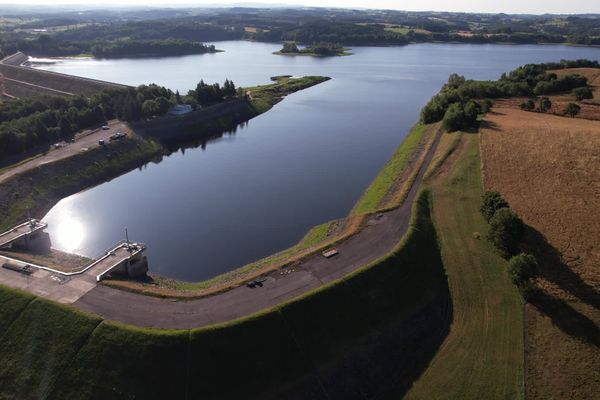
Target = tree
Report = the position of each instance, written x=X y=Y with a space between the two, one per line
x=163 y=104
x=528 y=105
x=583 y=93
x=290 y=47
x=177 y=97
x=506 y=230
x=492 y=202
x=454 y=118
x=150 y=108
x=572 y=110
x=521 y=268
x=486 y=106
x=455 y=81
x=545 y=104
x=229 y=89
x=471 y=112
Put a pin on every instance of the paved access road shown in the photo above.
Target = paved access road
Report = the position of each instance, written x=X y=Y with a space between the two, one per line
x=375 y=240
x=83 y=141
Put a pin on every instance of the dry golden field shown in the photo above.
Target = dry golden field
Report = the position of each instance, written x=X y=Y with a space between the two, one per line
x=548 y=168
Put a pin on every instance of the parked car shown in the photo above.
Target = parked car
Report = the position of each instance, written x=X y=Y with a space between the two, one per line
x=105 y=127
x=101 y=142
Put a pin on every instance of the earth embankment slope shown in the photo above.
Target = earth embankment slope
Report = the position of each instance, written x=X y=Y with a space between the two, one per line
x=388 y=318
x=23 y=81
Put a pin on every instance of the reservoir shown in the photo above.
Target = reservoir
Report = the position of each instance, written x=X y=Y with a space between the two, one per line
x=209 y=209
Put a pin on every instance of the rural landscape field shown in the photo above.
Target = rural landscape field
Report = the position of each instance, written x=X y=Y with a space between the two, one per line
x=268 y=201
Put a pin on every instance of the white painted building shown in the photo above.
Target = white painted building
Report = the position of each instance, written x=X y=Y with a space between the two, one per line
x=180 y=109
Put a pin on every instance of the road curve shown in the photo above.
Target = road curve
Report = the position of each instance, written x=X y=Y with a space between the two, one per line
x=377 y=239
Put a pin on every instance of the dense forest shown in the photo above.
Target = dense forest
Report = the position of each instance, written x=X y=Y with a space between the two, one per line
x=73 y=32
x=40 y=121
x=50 y=46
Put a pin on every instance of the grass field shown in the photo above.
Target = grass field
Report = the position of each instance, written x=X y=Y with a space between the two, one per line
x=389 y=317
x=548 y=168
x=482 y=357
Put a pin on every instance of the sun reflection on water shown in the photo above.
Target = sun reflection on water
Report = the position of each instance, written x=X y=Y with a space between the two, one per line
x=69 y=235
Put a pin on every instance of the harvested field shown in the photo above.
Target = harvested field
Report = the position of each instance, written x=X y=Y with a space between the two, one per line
x=548 y=168
x=593 y=75
x=589 y=110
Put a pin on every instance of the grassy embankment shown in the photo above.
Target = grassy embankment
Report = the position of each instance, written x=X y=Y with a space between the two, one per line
x=482 y=357
x=387 y=191
x=381 y=194
x=309 y=347
x=264 y=97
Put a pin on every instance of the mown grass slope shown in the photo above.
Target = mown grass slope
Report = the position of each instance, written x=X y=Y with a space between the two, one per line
x=122 y=362
x=482 y=357
x=38 y=345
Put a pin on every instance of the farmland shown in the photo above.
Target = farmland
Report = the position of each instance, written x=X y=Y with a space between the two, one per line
x=546 y=166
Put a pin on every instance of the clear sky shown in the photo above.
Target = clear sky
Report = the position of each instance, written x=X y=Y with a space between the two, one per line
x=494 y=6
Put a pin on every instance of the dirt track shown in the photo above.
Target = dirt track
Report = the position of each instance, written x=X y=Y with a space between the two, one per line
x=374 y=241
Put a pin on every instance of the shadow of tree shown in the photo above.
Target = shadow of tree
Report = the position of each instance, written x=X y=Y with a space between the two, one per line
x=552 y=268
x=555 y=270
x=489 y=125
x=566 y=318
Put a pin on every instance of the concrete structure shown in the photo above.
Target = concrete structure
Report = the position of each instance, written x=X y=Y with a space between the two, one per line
x=124 y=258
x=28 y=235
x=128 y=260
x=67 y=288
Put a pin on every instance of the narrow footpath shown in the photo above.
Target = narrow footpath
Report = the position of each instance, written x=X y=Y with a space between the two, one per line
x=377 y=239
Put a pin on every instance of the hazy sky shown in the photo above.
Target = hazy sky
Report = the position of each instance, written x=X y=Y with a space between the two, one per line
x=507 y=6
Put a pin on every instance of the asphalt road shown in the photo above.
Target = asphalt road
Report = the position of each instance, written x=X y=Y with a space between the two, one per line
x=375 y=240
x=83 y=141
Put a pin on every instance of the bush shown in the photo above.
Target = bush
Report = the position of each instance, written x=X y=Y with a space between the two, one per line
x=528 y=105
x=572 y=110
x=583 y=93
x=486 y=106
x=506 y=230
x=545 y=104
x=521 y=268
x=454 y=118
x=491 y=202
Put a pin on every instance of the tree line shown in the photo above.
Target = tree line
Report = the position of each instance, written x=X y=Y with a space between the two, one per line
x=52 y=46
x=506 y=233
x=460 y=100
x=40 y=121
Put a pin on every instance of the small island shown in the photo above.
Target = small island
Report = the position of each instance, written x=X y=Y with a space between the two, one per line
x=150 y=48
x=322 y=49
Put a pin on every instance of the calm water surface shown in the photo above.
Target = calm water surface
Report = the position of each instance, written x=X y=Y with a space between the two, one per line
x=205 y=211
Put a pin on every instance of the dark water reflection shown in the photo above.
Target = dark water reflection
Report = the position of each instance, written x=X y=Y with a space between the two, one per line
x=223 y=203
